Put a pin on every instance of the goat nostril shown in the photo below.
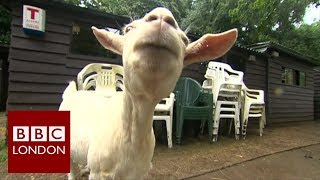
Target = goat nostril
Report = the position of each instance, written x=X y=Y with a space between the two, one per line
x=151 y=18
x=170 y=21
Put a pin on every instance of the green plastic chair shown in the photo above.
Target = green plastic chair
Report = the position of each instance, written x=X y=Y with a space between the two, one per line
x=192 y=103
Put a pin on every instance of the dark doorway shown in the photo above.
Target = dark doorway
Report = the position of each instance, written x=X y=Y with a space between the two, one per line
x=4 y=75
x=236 y=62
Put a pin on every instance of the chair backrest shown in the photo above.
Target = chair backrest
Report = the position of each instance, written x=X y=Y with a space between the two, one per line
x=220 y=73
x=101 y=77
x=189 y=90
x=253 y=94
x=223 y=72
x=166 y=104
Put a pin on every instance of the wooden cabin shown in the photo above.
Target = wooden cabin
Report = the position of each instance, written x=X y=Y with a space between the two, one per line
x=40 y=66
x=317 y=93
x=286 y=76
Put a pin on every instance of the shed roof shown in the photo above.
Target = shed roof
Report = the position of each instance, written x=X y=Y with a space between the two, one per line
x=265 y=47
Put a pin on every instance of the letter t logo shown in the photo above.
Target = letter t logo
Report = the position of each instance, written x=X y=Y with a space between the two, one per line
x=33 y=12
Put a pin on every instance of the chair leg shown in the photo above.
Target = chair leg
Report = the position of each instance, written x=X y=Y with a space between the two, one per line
x=169 y=133
x=210 y=127
x=244 y=127
x=261 y=124
x=179 y=128
x=230 y=127
x=237 y=128
x=237 y=123
x=262 y=121
x=203 y=122
x=216 y=121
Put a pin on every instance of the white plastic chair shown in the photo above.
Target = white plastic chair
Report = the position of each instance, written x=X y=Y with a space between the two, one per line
x=164 y=111
x=225 y=84
x=103 y=78
x=220 y=73
x=227 y=107
x=253 y=107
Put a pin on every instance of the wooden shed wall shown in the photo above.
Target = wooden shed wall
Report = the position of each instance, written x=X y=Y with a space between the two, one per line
x=255 y=74
x=317 y=94
x=41 y=67
x=254 y=71
x=288 y=102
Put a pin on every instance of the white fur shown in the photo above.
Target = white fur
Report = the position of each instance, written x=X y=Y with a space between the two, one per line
x=113 y=137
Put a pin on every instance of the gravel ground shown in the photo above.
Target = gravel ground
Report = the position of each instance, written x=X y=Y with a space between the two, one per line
x=296 y=164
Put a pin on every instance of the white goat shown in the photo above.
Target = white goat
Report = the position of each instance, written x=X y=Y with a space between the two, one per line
x=113 y=136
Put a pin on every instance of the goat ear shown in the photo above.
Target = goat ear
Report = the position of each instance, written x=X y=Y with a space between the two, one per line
x=109 y=40
x=210 y=46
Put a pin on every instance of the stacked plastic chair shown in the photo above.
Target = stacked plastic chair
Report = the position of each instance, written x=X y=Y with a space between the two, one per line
x=225 y=84
x=253 y=106
x=106 y=79
x=103 y=78
x=192 y=103
x=164 y=111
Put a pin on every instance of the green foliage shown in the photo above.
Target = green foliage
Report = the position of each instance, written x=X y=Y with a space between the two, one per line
x=3 y=151
x=209 y=16
x=5 y=20
x=256 y=20
x=134 y=8
x=263 y=20
x=305 y=39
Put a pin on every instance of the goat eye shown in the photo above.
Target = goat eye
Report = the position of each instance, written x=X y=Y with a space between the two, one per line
x=129 y=28
x=185 y=41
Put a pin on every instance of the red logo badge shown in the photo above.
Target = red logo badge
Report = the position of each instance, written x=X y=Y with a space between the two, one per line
x=38 y=142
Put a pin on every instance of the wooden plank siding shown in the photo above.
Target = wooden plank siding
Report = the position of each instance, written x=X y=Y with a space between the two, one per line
x=195 y=71
x=41 y=67
x=290 y=102
x=255 y=74
x=317 y=94
x=37 y=71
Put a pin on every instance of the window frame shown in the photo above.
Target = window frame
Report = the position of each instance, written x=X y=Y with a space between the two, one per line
x=293 y=77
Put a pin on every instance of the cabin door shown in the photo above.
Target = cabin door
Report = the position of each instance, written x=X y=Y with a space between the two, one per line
x=4 y=75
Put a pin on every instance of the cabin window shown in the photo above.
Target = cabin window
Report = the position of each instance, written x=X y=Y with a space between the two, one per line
x=293 y=77
x=84 y=42
x=302 y=79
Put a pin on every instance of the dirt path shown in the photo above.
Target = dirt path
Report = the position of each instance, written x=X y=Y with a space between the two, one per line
x=297 y=164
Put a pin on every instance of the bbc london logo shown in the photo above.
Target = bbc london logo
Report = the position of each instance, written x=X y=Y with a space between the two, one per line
x=38 y=141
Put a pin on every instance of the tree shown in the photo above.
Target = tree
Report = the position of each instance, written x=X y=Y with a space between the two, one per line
x=5 y=20
x=136 y=8
x=305 y=39
x=263 y=20
x=209 y=16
